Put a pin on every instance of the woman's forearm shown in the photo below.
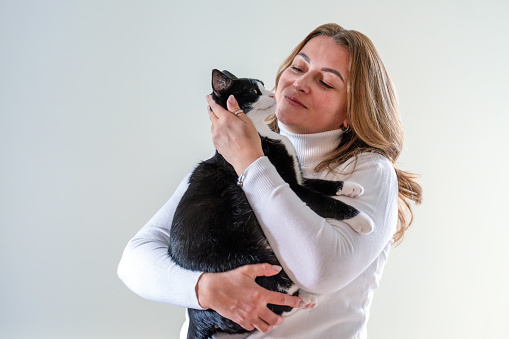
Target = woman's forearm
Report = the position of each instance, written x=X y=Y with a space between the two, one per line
x=322 y=255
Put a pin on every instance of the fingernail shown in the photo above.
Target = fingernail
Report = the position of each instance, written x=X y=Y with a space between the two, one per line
x=301 y=304
x=232 y=100
x=276 y=267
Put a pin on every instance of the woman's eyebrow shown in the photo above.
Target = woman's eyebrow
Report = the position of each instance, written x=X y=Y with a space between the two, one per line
x=304 y=56
x=325 y=69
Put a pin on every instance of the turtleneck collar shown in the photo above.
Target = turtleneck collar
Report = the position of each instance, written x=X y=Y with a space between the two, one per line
x=312 y=148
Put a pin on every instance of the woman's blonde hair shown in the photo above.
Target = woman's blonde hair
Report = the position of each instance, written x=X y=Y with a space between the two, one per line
x=372 y=114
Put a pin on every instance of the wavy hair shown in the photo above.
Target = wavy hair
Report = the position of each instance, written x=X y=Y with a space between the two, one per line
x=372 y=114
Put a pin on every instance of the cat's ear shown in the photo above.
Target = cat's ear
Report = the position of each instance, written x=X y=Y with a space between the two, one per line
x=221 y=82
x=229 y=75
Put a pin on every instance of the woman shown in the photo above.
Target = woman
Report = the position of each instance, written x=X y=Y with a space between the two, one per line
x=338 y=107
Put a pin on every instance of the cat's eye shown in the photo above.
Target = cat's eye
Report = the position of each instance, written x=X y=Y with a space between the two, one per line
x=255 y=91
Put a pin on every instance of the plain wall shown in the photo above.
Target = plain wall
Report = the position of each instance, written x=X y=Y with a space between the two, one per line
x=103 y=112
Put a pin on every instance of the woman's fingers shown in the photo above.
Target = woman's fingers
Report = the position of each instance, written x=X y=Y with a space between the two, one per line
x=236 y=296
x=262 y=326
x=232 y=104
x=211 y=112
x=259 y=270
x=267 y=320
x=283 y=299
x=217 y=109
x=271 y=297
x=259 y=317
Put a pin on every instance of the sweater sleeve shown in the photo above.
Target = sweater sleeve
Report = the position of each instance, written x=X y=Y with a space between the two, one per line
x=324 y=255
x=147 y=269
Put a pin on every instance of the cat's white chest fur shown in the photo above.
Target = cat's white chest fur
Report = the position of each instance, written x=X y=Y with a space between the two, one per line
x=262 y=108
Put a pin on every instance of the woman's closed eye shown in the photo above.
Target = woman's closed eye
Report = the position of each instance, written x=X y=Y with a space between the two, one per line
x=326 y=85
x=296 y=69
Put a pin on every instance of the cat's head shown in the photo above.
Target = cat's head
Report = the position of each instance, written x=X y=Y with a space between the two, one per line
x=250 y=93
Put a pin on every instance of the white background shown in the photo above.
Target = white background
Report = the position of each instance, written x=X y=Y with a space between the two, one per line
x=102 y=113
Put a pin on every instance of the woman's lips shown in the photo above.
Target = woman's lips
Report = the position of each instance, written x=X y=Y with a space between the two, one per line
x=294 y=102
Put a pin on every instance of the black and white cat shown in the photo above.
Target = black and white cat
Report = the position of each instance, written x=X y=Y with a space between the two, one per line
x=215 y=230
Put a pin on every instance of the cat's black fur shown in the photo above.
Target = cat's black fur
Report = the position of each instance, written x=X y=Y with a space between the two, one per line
x=215 y=230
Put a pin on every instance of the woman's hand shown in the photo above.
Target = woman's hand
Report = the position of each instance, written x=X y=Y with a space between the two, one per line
x=234 y=136
x=235 y=295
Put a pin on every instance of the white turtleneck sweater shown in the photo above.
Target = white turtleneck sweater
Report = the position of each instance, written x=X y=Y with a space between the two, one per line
x=322 y=256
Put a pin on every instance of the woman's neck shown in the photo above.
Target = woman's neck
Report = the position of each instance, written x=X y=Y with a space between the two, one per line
x=313 y=148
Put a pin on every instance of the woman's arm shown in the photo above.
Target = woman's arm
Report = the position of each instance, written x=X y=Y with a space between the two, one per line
x=323 y=255
x=146 y=268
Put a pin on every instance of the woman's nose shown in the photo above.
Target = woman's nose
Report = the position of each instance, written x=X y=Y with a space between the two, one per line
x=301 y=84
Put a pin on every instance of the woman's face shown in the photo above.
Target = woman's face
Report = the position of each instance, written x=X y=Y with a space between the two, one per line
x=311 y=93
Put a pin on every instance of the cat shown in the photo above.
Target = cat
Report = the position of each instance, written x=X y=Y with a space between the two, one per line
x=215 y=230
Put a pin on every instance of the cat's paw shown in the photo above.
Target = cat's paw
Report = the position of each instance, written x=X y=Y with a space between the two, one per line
x=310 y=300
x=351 y=189
x=361 y=223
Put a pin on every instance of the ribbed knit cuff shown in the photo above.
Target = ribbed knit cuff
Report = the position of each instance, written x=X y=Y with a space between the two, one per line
x=188 y=279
